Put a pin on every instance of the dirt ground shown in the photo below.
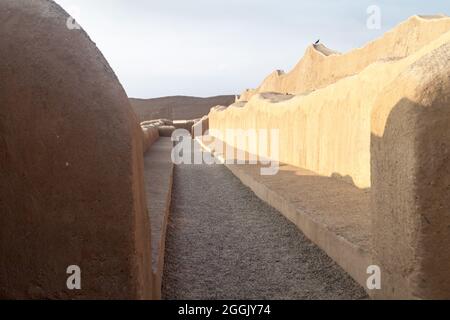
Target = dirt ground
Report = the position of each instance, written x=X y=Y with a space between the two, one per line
x=225 y=243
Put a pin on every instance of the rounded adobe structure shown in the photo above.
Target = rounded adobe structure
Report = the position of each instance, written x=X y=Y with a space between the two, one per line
x=71 y=189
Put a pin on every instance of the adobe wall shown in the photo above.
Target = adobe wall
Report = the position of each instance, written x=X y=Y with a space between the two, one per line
x=410 y=149
x=71 y=190
x=149 y=136
x=321 y=66
x=385 y=128
x=328 y=130
x=200 y=127
x=184 y=124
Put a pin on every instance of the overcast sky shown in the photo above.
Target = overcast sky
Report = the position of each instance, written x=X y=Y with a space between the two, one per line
x=212 y=47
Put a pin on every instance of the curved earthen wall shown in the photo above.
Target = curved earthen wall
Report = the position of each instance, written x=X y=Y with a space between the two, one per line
x=71 y=190
x=149 y=136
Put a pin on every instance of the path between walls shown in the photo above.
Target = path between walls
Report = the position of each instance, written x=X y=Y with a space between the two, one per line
x=223 y=242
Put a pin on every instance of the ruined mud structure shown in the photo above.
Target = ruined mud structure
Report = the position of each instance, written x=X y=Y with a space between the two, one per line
x=364 y=145
x=376 y=117
x=71 y=164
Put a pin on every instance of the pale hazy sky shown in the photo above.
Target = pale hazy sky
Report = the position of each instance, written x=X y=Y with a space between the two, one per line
x=212 y=47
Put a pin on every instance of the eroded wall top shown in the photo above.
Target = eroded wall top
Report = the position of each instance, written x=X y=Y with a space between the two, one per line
x=321 y=66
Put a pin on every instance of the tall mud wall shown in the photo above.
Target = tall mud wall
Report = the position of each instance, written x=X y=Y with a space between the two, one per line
x=321 y=66
x=71 y=167
x=411 y=180
x=328 y=130
x=384 y=125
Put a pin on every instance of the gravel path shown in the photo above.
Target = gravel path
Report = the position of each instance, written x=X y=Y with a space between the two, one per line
x=225 y=243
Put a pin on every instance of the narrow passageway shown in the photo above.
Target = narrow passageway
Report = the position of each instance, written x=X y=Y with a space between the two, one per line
x=223 y=242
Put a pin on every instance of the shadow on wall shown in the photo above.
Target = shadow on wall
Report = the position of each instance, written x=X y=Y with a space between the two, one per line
x=411 y=199
x=348 y=179
x=284 y=168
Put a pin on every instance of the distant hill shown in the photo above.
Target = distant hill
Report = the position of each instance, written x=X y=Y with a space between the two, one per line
x=177 y=107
